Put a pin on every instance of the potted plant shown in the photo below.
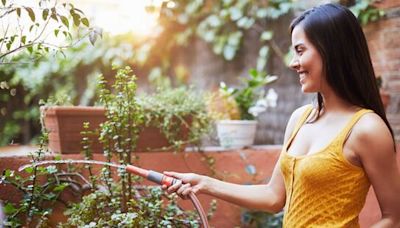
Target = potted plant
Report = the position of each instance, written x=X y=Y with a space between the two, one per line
x=108 y=198
x=235 y=109
x=168 y=119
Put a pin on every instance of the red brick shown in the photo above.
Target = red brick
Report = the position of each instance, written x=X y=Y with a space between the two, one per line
x=391 y=38
x=394 y=86
x=386 y=4
x=393 y=65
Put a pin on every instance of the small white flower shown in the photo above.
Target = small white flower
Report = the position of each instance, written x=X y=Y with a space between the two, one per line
x=262 y=103
x=270 y=100
x=256 y=110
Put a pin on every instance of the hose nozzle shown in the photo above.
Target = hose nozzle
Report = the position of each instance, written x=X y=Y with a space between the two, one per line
x=151 y=175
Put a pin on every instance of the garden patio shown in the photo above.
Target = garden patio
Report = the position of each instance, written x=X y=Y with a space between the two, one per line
x=158 y=92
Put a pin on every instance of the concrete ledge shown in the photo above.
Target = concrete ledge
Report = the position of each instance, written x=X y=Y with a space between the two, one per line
x=229 y=165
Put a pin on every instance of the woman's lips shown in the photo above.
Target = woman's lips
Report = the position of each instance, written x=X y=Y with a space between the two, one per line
x=302 y=76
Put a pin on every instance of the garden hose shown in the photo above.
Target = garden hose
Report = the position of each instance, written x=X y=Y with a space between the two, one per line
x=148 y=174
x=168 y=181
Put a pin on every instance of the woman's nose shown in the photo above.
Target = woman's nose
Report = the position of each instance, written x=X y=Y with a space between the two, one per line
x=294 y=64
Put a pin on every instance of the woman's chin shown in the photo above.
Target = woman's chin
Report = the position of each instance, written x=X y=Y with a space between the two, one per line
x=305 y=89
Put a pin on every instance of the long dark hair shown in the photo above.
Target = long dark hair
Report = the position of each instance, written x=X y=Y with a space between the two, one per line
x=339 y=39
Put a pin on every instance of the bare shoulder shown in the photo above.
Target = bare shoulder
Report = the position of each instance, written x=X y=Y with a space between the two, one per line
x=298 y=112
x=370 y=135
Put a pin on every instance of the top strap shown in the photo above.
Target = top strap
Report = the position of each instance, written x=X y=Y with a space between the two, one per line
x=300 y=123
x=348 y=128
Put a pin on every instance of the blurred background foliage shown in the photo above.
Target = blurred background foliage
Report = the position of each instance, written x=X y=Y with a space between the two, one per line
x=72 y=73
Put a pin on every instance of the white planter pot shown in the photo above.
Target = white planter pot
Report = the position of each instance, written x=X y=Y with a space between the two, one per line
x=236 y=133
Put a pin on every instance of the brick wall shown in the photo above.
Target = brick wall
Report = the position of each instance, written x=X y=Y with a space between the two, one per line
x=207 y=69
x=384 y=44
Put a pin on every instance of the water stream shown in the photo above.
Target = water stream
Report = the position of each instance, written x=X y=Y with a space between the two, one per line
x=55 y=162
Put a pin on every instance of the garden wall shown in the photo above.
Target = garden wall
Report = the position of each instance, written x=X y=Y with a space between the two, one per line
x=207 y=69
x=229 y=166
x=384 y=44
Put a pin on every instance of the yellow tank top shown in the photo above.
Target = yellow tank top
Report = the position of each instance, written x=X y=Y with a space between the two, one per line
x=323 y=189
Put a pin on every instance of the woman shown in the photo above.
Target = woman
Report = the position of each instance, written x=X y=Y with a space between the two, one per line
x=332 y=153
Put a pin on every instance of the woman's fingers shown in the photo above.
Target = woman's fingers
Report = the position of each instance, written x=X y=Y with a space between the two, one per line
x=187 y=182
x=186 y=192
x=182 y=189
x=173 y=188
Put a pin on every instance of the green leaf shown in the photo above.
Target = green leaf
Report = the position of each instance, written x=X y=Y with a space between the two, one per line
x=57 y=157
x=60 y=187
x=93 y=37
x=23 y=39
x=9 y=209
x=54 y=14
x=267 y=35
x=80 y=11
x=4 y=2
x=45 y=14
x=30 y=13
x=65 y=21
x=56 y=31
x=76 y=19
x=8 y=173
x=85 y=21
x=18 y=10
x=235 y=13
x=229 y=52
x=51 y=169
x=263 y=51
x=8 y=45
x=30 y=49
x=253 y=72
x=29 y=169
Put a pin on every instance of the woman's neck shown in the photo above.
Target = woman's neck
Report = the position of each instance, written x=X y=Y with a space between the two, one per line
x=333 y=103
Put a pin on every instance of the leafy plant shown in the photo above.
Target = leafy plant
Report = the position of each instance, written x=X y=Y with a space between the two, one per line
x=40 y=187
x=247 y=95
x=150 y=207
x=125 y=203
x=365 y=11
x=62 y=80
x=110 y=203
x=175 y=109
x=259 y=219
x=28 y=27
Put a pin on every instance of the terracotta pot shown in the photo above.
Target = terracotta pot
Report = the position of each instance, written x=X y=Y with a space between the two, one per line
x=65 y=123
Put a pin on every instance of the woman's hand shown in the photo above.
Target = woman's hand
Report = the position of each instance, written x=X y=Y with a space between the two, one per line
x=187 y=182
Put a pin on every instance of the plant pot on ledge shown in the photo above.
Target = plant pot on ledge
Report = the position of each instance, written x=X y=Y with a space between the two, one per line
x=236 y=134
x=65 y=124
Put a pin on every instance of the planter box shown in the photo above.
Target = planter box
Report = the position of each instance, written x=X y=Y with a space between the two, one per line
x=229 y=164
x=65 y=123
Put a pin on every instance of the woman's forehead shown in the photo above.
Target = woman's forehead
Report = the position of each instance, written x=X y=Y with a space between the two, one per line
x=298 y=36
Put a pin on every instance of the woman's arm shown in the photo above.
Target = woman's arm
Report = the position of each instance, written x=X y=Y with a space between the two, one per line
x=373 y=144
x=270 y=197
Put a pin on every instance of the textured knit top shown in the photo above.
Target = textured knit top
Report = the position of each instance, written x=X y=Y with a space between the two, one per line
x=323 y=189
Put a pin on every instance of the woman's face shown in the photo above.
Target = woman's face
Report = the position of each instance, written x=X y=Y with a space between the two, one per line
x=307 y=62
